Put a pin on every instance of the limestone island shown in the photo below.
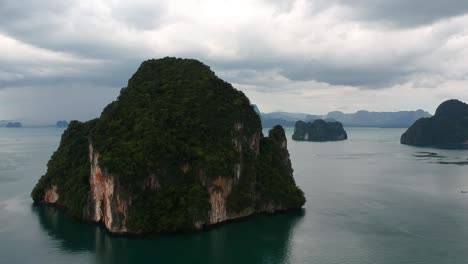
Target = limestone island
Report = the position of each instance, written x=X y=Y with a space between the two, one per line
x=14 y=125
x=180 y=149
x=448 y=128
x=319 y=130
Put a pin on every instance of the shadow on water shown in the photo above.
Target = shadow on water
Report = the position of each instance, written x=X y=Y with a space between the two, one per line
x=427 y=154
x=433 y=157
x=261 y=239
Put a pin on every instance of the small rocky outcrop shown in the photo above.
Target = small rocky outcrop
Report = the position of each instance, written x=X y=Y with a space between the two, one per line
x=14 y=124
x=61 y=124
x=179 y=149
x=448 y=128
x=319 y=130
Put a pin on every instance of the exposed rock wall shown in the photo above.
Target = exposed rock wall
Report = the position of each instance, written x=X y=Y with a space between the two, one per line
x=51 y=196
x=106 y=203
x=219 y=191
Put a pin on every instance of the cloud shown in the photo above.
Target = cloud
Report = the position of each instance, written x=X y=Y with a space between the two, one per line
x=25 y=65
x=266 y=46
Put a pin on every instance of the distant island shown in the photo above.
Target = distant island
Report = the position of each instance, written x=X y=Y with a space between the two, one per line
x=61 y=123
x=448 y=128
x=402 y=119
x=14 y=124
x=319 y=130
x=179 y=149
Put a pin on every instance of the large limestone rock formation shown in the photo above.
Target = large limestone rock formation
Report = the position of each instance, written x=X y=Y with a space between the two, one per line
x=179 y=149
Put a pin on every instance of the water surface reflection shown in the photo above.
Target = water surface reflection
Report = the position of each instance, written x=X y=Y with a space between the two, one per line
x=262 y=239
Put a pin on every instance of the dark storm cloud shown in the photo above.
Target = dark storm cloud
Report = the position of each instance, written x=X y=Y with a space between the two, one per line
x=366 y=76
x=101 y=74
x=398 y=13
x=346 y=72
x=91 y=53
x=404 y=13
x=363 y=76
x=32 y=20
x=13 y=12
x=63 y=26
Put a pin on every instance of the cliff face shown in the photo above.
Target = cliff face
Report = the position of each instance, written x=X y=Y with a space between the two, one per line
x=448 y=128
x=180 y=149
x=319 y=130
x=107 y=202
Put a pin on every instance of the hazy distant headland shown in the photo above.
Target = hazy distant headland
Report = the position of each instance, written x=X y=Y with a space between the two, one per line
x=401 y=119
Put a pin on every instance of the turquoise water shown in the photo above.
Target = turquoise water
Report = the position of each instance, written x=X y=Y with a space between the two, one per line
x=369 y=200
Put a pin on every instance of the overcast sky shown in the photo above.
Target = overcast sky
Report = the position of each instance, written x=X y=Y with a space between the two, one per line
x=68 y=59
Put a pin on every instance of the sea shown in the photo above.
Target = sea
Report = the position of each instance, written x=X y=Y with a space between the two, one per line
x=369 y=200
